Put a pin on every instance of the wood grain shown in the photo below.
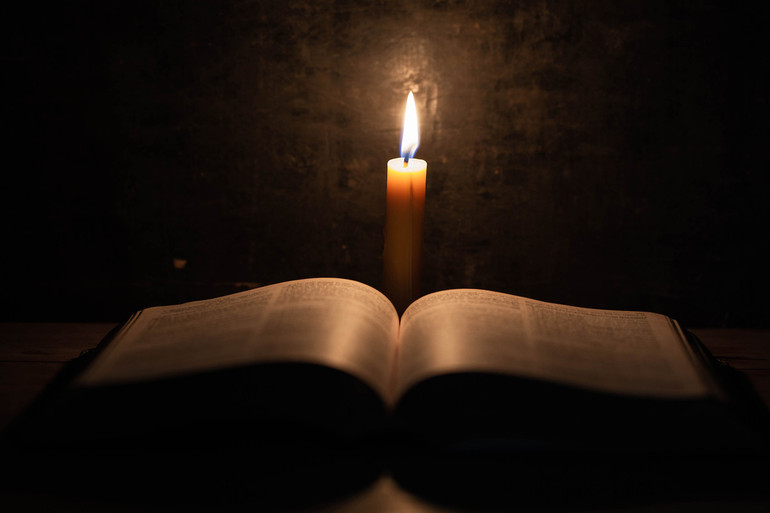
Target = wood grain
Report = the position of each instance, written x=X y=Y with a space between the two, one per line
x=745 y=350
x=32 y=353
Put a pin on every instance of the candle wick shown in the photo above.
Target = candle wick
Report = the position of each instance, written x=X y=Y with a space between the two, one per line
x=406 y=161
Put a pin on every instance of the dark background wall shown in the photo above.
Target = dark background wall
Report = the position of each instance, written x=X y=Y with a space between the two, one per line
x=604 y=154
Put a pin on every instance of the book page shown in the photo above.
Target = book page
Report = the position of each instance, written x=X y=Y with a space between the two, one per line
x=339 y=323
x=611 y=351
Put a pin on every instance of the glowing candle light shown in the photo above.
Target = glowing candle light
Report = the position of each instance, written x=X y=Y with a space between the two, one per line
x=404 y=216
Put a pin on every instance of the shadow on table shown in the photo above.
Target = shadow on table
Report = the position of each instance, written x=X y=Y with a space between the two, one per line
x=290 y=480
x=543 y=482
x=185 y=480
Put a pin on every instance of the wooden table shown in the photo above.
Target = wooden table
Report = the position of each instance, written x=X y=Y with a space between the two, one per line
x=32 y=353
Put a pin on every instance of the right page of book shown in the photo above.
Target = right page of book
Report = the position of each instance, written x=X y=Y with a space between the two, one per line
x=624 y=352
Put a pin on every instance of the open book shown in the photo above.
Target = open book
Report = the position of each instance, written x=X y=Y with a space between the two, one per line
x=462 y=370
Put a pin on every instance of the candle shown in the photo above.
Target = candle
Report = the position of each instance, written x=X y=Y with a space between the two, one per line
x=404 y=215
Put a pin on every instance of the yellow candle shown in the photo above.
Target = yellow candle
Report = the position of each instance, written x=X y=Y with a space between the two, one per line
x=404 y=216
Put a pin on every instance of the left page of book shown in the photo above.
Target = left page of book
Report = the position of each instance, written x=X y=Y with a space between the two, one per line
x=334 y=322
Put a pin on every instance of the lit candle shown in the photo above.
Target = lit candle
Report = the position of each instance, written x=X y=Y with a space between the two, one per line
x=404 y=215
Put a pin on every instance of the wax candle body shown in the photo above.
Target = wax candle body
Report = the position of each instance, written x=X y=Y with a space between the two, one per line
x=405 y=214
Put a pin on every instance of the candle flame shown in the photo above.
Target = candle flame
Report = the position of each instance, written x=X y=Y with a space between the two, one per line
x=410 y=139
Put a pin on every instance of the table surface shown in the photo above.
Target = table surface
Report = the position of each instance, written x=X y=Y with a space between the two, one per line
x=32 y=353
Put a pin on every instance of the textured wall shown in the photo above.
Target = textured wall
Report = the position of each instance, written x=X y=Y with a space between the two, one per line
x=605 y=154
